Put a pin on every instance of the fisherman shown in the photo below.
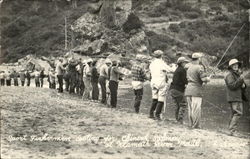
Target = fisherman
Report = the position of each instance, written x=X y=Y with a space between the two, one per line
x=235 y=86
x=138 y=78
x=177 y=88
x=103 y=78
x=2 y=78
x=87 y=79
x=59 y=73
x=22 y=77
x=8 y=78
x=114 y=77
x=80 y=84
x=42 y=76
x=37 y=78
x=52 y=77
x=28 y=77
x=94 y=82
x=15 y=78
x=158 y=69
x=196 y=77
x=72 y=74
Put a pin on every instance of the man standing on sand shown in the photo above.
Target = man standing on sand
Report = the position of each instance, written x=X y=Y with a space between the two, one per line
x=196 y=78
x=8 y=78
x=103 y=78
x=87 y=79
x=15 y=78
x=37 y=78
x=2 y=78
x=138 y=78
x=177 y=88
x=28 y=77
x=158 y=69
x=22 y=77
x=114 y=74
x=235 y=94
x=59 y=73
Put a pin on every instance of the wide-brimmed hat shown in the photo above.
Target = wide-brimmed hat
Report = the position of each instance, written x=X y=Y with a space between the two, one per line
x=108 y=61
x=196 y=55
x=182 y=59
x=158 y=53
x=233 y=61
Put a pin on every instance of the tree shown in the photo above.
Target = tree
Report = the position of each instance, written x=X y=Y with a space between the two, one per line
x=107 y=13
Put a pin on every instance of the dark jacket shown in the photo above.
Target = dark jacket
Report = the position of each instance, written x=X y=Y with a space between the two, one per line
x=179 y=79
x=234 y=86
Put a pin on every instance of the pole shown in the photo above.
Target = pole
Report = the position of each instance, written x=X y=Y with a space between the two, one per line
x=230 y=45
x=66 y=37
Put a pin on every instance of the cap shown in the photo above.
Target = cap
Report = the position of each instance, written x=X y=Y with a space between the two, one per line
x=108 y=61
x=158 y=53
x=89 y=61
x=182 y=59
x=233 y=61
x=196 y=55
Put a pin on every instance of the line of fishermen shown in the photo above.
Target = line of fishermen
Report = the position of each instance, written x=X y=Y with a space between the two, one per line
x=6 y=77
x=186 y=88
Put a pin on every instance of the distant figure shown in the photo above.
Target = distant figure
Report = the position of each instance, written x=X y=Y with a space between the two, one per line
x=72 y=74
x=2 y=78
x=42 y=76
x=138 y=78
x=15 y=78
x=103 y=78
x=59 y=73
x=114 y=75
x=177 y=89
x=87 y=79
x=8 y=78
x=235 y=94
x=158 y=69
x=28 y=77
x=80 y=83
x=94 y=82
x=37 y=78
x=52 y=77
x=196 y=78
x=22 y=77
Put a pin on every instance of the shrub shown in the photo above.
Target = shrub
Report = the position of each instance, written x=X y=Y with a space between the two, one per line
x=133 y=22
x=192 y=15
x=222 y=17
x=174 y=28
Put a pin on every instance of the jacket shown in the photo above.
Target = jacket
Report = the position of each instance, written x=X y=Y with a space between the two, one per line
x=179 y=79
x=234 y=86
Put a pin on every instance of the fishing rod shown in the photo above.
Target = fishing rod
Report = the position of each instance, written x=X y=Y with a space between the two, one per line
x=230 y=45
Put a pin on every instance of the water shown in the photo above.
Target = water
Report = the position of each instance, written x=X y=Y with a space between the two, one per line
x=216 y=112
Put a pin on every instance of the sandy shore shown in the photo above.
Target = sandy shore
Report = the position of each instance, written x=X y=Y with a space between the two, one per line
x=40 y=123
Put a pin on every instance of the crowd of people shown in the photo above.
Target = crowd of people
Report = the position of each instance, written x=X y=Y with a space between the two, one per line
x=83 y=78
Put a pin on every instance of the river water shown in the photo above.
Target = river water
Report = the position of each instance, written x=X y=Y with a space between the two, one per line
x=215 y=109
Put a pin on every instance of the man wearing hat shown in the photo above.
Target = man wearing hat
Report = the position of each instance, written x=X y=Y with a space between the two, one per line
x=87 y=79
x=138 y=77
x=177 y=88
x=2 y=78
x=59 y=73
x=72 y=74
x=114 y=77
x=22 y=77
x=235 y=93
x=196 y=77
x=158 y=69
x=103 y=78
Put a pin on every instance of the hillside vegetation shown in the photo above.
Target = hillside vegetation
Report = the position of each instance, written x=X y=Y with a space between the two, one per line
x=175 y=26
